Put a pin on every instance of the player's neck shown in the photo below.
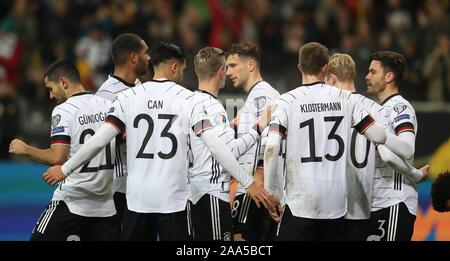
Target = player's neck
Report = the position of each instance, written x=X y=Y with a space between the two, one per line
x=388 y=91
x=125 y=74
x=349 y=86
x=78 y=88
x=161 y=74
x=211 y=86
x=307 y=79
x=252 y=80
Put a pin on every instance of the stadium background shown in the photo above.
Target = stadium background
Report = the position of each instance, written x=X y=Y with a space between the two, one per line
x=34 y=33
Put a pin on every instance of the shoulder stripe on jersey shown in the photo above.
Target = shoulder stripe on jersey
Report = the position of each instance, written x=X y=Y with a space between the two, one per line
x=116 y=122
x=72 y=105
x=277 y=128
x=190 y=96
x=60 y=139
x=179 y=92
x=105 y=91
x=364 y=124
x=281 y=99
x=291 y=95
x=406 y=126
x=121 y=90
x=201 y=126
x=170 y=87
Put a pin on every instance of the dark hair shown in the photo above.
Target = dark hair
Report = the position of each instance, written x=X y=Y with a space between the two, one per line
x=440 y=192
x=123 y=46
x=246 y=50
x=312 y=57
x=65 y=68
x=166 y=51
x=391 y=62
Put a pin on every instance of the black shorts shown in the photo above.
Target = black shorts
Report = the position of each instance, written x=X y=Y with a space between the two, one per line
x=356 y=230
x=394 y=223
x=120 y=202
x=252 y=222
x=294 y=228
x=56 y=223
x=211 y=218
x=153 y=226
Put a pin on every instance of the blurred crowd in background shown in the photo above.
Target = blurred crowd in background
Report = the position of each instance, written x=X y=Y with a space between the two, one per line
x=34 y=33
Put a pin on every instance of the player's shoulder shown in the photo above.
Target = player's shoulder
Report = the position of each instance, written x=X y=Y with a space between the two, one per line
x=343 y=94
x=290 y=96
x=114 y=85
x=396 y=104
x=171 y=89
x=206 y=98
x=263 y=88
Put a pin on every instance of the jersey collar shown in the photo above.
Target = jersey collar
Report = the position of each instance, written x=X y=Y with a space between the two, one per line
x=161 y=80
x=80 y=93
x=208 y=93
x=253 y=86
x=313 y=83
x=122 y=80
x=388 y=98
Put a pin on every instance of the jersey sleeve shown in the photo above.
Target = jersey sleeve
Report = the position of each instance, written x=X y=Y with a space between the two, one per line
x=199 y=120
x=238 y=146
x=377 y=112
x=361 y=118
x=61 y=127
x=279 y=121
x=402 y=117
x=117 y=114
x=262 y=148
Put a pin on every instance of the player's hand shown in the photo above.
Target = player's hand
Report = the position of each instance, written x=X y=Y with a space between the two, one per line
x=259 y=176
x=424 y=171
x=265 y=117
x=18 y=147
x=260 y=196
x=53 y=175
x=278 y=211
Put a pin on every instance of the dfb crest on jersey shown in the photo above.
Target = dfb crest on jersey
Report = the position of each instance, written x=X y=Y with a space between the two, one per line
x=55 y=120
x=220 y=120
x=260 y=102
x=398 y=108
x=227 y=236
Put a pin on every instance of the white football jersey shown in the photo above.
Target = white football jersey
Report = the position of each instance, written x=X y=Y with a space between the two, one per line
x=361 y=165
x=391 y=187
x=88 y=190
x=206 y=174
x=157 y=118
x=109 y=90
x=260 y=97
x=316 y=120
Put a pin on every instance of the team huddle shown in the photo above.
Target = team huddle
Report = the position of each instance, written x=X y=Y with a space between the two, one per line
x=147 y=159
